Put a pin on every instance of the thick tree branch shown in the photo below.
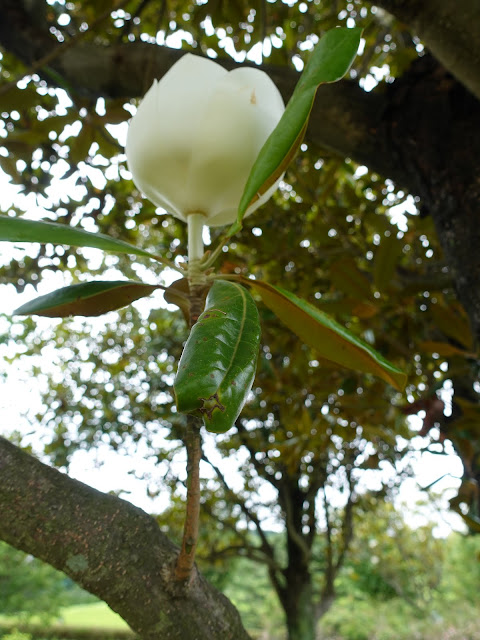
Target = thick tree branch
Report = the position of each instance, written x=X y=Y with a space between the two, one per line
x=110 y=548
x=347 y=525
x=450 y=30
x=317 y=481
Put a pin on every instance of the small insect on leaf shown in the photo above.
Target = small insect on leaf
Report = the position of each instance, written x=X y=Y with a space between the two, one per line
x=218 y=364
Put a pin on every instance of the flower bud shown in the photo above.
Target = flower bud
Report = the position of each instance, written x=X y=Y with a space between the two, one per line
x=196 y=134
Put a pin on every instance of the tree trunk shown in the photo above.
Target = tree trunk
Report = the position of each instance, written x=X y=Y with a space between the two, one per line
x=299 y=608
x=296 y=596
x=432 y=127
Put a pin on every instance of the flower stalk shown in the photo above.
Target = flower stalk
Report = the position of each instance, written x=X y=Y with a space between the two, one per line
x=196 y=275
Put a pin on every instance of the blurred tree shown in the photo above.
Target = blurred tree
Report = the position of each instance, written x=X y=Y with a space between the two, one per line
x=29 y=587
x=341 y=233
x=389 y=559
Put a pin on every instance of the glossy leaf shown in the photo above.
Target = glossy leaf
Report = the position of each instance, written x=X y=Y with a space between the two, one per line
x=86 y=299
x=329 y=62
x=23 y=230
x=217 y=367
x=328 y=337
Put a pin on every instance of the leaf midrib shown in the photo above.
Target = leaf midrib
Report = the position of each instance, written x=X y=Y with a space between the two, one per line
x=240 y=333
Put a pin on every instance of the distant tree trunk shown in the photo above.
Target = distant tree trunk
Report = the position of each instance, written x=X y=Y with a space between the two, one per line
x=296 y=596
x=299 y=605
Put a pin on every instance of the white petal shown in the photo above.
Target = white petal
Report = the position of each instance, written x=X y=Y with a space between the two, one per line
x=242 y=113
x=196 y=135
x=159 y=140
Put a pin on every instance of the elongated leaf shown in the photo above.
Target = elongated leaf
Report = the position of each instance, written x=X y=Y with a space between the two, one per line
x=444 y=349
x=23 y=230
x=329 y=62
x=318 y=330
x=453 y=323
x=86 y=299
x=386 y=258
x=347 y=277
x=217 y=367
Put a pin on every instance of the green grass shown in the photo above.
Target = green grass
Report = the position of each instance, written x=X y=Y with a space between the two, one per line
x=97 y=614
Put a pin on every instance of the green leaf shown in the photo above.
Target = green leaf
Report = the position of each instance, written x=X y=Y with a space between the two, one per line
x=23 y=230
x=330 y=61
x=386 y=259
x=86 y=299
x=177 y=293
x=330 y=339
x=347 y=277
x=452 y=323
x=217 y=367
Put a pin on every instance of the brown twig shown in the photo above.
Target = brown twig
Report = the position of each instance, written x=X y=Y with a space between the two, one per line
x=186 y=558
x=193 y=444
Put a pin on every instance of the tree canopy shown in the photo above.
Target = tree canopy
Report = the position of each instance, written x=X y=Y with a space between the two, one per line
x=375 y=224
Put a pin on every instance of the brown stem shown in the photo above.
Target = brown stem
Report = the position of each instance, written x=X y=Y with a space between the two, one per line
x=186 y=558
x=193 y=444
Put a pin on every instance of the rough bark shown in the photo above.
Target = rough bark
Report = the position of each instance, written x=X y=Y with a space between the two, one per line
x=432 y=126
x=450 y=30
x=110 y=548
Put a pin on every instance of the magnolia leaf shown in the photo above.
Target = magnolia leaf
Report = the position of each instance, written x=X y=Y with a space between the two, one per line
x=86 y=299
x=333 y=342
x=218 y=364
x=444 y=349
x=453 y=323
x=347 y=277
x=23 y=230
x=386 y=259
x=177 y=294
x=329 y=61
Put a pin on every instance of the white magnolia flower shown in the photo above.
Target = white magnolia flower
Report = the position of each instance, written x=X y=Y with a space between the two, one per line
x=196 y=134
